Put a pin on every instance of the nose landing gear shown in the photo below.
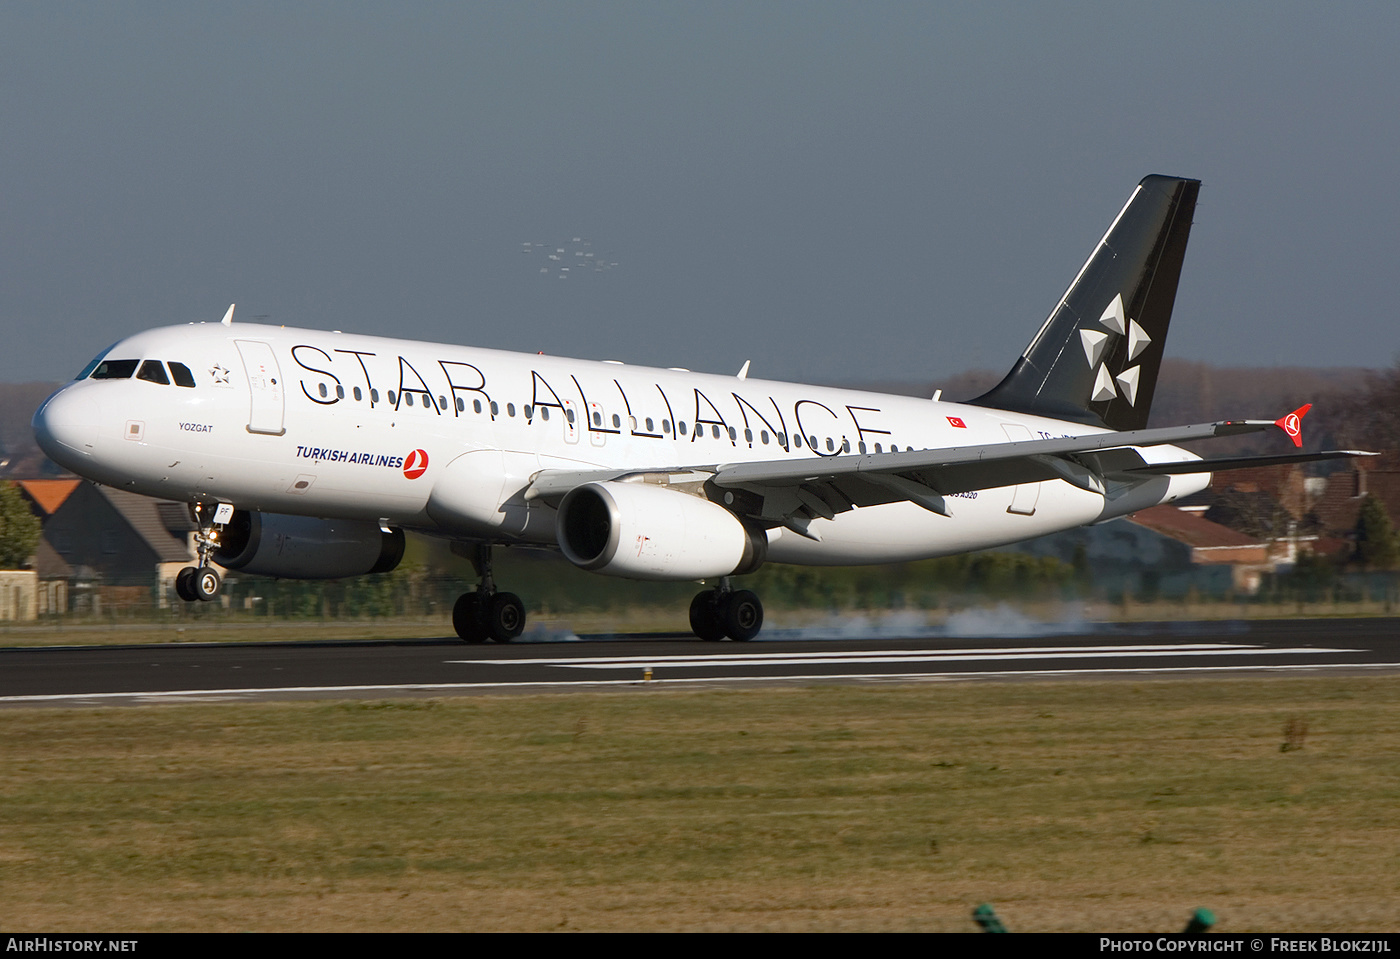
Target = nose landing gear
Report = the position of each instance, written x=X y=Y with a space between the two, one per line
x=722 y=611
x=202 y=583
x=487 y=614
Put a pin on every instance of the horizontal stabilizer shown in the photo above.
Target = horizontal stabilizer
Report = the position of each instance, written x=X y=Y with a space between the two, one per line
x=1243 y=462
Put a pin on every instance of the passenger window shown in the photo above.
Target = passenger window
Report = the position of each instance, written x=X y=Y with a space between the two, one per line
x=373 y=395
x=390 y=397
x=181 y=374
x=340 y=392
x=358 y=395
x=152 y=371
x=322 y=388
x=115 y=369
x=650 y=429
x=476 y=406
x=408 y=398
x=510 y=409
x=544 y=413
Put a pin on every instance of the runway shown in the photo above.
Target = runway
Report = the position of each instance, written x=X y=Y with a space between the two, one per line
x=133 y=675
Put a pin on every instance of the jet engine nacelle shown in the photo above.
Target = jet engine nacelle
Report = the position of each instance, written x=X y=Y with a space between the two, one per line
x=301 y=547
x=644 y=531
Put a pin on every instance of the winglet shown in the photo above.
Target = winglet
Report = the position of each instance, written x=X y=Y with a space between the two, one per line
x=228 y=317
x=1292 y=424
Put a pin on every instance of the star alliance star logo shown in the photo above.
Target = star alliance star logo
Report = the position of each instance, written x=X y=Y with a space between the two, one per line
x=1096 y=344
x=220 y=375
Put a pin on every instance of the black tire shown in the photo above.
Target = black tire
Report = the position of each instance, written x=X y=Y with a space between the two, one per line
x=184 y=584
x=205 y=584
x=467 y=618
x=742 y=615
x=704 y=617
x=505 y=617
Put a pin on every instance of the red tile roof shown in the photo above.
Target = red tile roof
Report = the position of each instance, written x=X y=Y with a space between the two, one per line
x=48 y=494
x=1191 y=528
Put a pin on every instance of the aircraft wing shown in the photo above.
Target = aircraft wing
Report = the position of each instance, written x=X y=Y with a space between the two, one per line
x=791 y=493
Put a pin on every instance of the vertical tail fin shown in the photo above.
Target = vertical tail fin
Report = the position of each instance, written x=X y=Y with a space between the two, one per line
x=1096 y=358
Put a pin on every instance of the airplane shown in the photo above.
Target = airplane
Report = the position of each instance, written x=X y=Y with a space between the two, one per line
x=307 y=454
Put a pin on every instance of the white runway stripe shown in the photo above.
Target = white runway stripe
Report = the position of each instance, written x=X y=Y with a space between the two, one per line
x=908 y=656
x=204 y=694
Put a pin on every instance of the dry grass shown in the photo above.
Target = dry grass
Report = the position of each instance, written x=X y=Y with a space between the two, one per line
x=1115 y=806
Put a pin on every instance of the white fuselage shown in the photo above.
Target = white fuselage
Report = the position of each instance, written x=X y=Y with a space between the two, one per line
x=338 y=425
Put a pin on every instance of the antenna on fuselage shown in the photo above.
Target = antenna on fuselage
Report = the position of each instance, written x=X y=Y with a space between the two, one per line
x=228 y=317
x=744 y=373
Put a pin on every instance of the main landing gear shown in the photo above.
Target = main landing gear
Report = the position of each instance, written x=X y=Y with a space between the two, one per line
x=487 y=614
x=722 y=611
x=202 y=583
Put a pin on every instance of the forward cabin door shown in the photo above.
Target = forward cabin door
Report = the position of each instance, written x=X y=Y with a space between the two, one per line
x=264 y=386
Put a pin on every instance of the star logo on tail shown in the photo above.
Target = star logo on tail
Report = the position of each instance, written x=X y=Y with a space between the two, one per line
x=1096 y=343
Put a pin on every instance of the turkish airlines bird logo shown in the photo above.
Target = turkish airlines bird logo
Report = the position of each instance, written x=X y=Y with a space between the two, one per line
x=416 y=464
x=1292 y=424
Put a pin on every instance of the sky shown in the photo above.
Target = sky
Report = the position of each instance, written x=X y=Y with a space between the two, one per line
x=838 y=192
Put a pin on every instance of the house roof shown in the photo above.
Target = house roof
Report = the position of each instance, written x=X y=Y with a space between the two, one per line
x=49 y=564
x=1191 y=528
x=47 y=494
x=153 y=524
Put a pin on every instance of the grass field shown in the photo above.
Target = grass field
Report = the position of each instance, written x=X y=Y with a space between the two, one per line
x=1114 y=806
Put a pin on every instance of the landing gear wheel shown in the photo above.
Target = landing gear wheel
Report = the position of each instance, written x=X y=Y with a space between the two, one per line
x=184 y=584
x=505 y=617
x=467 y=619
x=704 y=617
x=742 y=615
x=205 y=583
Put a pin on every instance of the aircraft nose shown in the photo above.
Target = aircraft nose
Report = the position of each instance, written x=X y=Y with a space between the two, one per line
x=65 y=427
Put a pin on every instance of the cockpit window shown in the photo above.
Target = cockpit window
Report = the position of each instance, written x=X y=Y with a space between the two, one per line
x=182 y=374
x=87 y=370
x=153 y=371
x=115 y=369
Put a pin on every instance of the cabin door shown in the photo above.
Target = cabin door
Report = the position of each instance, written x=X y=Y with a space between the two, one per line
x=264 y=386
